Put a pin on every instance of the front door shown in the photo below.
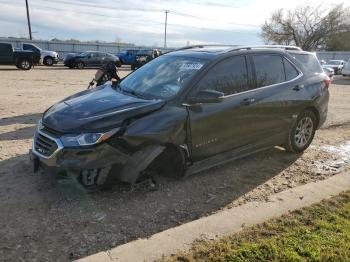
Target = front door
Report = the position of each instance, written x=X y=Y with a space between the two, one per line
x=220 y=127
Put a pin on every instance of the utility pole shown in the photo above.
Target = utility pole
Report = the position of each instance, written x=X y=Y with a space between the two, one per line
x=166 y=23
x=28 y=19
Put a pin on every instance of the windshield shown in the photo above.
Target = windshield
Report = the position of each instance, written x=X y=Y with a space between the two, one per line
x=84 y=54
x=163 y=77
x=332 y=62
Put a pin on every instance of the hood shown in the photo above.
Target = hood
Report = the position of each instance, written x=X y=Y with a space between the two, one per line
x=96 y=110
x=50 y=53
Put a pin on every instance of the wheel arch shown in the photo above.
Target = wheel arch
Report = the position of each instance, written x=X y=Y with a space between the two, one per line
x=316 y=112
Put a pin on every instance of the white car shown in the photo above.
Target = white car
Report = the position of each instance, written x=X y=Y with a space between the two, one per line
x=328 y=70
x=346 y=69
x=48 y=58
x=337 y=65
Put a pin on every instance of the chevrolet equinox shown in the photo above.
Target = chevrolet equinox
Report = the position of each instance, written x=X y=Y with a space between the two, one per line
x=185 y=111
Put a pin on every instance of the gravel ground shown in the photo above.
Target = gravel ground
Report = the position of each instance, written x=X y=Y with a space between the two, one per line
x=43 y=219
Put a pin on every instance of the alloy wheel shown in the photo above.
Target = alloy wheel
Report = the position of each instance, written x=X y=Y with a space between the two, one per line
x=25 y=64
x=303 y=131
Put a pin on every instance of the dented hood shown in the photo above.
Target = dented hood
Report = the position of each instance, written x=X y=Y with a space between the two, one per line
x=96 y=110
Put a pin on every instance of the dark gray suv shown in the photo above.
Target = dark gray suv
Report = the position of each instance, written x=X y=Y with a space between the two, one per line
x=186 y=111
x=90 y=59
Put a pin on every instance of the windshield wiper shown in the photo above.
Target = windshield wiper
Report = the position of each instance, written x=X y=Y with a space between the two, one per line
x=131 y=92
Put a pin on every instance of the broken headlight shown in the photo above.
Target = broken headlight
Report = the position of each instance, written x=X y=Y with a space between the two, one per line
x=87 y=139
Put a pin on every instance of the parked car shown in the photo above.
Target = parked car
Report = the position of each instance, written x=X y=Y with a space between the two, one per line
x=90 y=59
x=346 y=69
x=143 y=57
x=23 y=59
x=337 y=65
x=127 y=57
x=186 y=111
x=48 y=58
x=328 y=70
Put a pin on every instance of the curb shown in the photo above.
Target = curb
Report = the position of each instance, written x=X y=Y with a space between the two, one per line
x=225 y=222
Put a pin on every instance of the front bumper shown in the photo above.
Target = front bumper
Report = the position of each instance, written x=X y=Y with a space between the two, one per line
x=82 y=158
x=56 y=60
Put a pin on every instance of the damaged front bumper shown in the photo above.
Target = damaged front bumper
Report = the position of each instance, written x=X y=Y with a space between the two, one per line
x=48 y=152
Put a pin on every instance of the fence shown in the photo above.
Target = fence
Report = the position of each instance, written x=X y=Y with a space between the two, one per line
x=341 y=55
x=62 y=48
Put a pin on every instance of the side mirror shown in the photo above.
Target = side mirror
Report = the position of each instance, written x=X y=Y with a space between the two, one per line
x=206 y=96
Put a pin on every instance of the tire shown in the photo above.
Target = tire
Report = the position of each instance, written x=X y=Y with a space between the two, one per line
x=79 y=65
x=302 y=133
x=48 y=61
x=25 y=64
x=100 y=180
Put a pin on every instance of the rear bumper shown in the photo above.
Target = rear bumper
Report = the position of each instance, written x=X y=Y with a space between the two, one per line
x=322 y=107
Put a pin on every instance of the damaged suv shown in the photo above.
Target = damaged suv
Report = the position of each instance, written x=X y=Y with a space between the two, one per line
x=186 y=111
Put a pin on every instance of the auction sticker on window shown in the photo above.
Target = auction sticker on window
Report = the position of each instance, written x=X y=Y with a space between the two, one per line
x=191 y=66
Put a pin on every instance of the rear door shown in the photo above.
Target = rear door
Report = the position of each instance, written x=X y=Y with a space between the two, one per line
x=277 y=82
x=6 y=54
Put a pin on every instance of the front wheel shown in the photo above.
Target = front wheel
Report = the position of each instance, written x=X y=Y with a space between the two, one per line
x=95 y=179
x=302 y=132
x=79 y=65
x=48 y=61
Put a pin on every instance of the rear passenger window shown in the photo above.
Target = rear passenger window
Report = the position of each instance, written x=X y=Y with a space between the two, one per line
x=229 y=76
x=269 y=69
x=290 y=70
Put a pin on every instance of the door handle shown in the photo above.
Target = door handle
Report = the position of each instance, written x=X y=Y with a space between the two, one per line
x=247 y=101
x=298 y=87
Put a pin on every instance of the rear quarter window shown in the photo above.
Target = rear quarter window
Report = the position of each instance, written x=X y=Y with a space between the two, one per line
x=310 y=62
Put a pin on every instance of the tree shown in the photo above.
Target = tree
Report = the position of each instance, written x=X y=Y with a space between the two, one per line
x=306 y=26
x=338 y=42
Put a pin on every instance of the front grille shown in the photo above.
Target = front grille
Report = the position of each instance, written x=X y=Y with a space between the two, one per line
x=51 y=132
x=44 y=145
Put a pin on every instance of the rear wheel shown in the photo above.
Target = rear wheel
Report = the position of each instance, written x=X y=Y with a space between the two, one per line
x=302 y=132
x=25 y=64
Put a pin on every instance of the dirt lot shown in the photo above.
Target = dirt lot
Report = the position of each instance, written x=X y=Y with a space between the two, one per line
x=43 y=219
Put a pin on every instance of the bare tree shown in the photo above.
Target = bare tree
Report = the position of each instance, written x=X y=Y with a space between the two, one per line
x=305 y=26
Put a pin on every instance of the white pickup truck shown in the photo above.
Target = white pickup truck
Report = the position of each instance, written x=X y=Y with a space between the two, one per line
x=48 y=58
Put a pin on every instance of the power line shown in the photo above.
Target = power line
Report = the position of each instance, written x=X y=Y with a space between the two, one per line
x=148 y=10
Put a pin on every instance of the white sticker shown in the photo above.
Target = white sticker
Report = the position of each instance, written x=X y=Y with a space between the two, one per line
x=192 y=66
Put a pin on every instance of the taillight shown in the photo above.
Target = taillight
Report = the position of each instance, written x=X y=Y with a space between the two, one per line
x=327 y=82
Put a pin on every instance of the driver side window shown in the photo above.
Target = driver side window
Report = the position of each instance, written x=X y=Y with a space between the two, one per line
x=229 y=76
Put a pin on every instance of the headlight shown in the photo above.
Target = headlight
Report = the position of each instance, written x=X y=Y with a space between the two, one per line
x=87 y=139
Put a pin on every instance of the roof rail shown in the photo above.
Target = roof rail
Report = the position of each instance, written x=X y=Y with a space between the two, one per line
x=285 y=47
x=199 y=46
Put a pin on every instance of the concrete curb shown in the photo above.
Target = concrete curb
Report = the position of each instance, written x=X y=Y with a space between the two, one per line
x=225 y=222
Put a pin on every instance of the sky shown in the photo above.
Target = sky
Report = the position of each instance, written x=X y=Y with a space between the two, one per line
x=142 y=21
